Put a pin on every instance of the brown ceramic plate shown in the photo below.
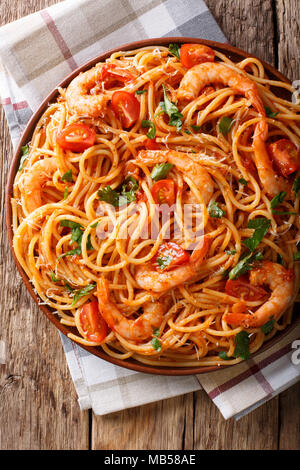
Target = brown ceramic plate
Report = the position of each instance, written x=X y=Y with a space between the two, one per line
x=235 y=55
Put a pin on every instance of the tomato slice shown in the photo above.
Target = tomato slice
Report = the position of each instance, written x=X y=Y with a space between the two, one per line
x=151 y=144
x=92 y=323
x=76 y=137
x=170 y=255
x=241 y=288
x=126 y=107
x=193 y=54
x=163 y=192
x=285 y=156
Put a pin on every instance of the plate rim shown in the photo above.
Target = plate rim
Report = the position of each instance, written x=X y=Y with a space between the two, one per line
x=96 y=351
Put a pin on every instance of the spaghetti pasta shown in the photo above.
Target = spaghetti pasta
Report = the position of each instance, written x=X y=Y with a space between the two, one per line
x=100 y=218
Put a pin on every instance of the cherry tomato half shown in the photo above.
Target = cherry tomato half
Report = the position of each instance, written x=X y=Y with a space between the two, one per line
x=92 y=323
x=126 y=107
x=241 y=288
x=163 y=192
x=285 y=156
x=170 y=255
x=76 y=137
x=193 y=54
x=151 y=144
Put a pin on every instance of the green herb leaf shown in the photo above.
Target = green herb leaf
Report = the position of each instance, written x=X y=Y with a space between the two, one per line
x=268 y=327
x=53 y=277
x=275 y=212
x=141 y=92
x=225 y=273
x=66 y=193
x=279 y=259
x=163 y=261
x=215 y=211
x=270 y=113
x=223 y=355
x=94 y=225
x=156 y=344
x=187 y=131
x=242 y=340
x=25 y=155
x=277 y=199
x=68 y=176
x=244 y=265
x=82 y=292
x=76 y=251
x=196 y=128
x=76 y=236
x=109 y=195
x=260 y=225
x=155 y=331
x=175 y=50
x=152 y=132
x=243 y=181
x=172 y=111
x=225 y=125
x=160 y=171
x=69 y=288
x=296 y=185
x=230 y=252
x=296 y=256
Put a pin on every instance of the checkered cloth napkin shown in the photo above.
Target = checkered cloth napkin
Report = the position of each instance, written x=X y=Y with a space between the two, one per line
x=36 y=52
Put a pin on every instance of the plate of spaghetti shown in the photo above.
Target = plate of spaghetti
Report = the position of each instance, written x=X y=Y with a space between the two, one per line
x=153 y=206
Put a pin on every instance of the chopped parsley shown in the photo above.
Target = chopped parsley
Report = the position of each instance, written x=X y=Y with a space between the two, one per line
x=25 y=155
x=141 y=92
x=244 y=265
x=172 y=111
x=223 y=355
x=156 y=344
x=53 y=277
x=215 y=211
x=260 y=225
x=279 y=259
x=230 y=252
x=196 y=128
x=268 y=327
x=76 y=237
x=225 y=125
x=163 y=261
x=68 y=176
x=277 y=199
x=155 y=331
x=82 y=292
x=296 y=185
x=160 y=171
x=270 y=113
x=243 y=181
x=242 y=340
x=126 y=195
x=152 y=132
x=174 y=49
x=66 y=193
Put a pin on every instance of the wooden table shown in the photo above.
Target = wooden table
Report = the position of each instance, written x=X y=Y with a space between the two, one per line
x=38 y=402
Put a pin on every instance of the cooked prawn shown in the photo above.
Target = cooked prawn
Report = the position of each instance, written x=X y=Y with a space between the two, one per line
x=149 y=279
x=208 y=73
x=34 y=180
x=78 y=95
x=183 y=163
x=134 y=330
x=280 y=281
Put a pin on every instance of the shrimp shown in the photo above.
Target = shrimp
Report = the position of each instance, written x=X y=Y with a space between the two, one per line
x=78 y=95
x=134 y=330
x=208 y=73
x=280 y=281
x=34 y=180
x=183 y=163
x=149 y=279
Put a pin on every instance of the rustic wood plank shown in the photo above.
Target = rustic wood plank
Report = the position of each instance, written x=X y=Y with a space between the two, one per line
x=158 y=426
x=289 y=430
x=39 y=407
x=256 y=431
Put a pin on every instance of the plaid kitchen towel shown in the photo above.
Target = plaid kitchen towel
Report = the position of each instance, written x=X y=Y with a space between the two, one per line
x=36 y=52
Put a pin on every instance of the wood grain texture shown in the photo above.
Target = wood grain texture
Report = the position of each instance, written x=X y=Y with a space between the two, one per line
x=39 y=409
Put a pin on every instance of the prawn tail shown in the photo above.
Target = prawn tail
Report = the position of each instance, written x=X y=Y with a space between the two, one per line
x=102 y=290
